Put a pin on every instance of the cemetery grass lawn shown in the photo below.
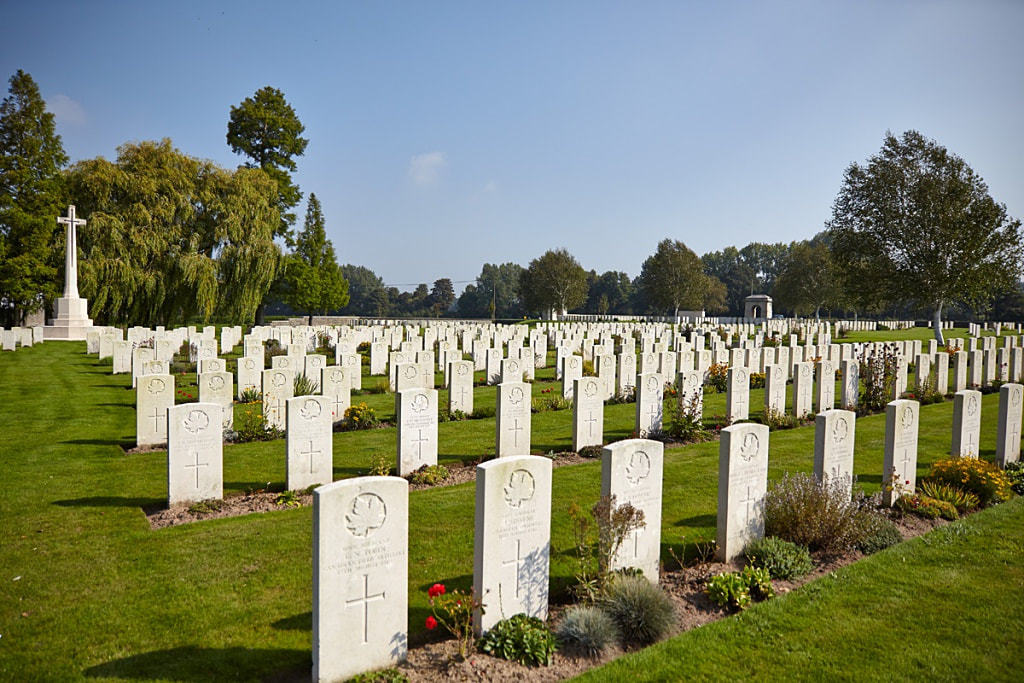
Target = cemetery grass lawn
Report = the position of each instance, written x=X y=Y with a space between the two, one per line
x=944 y=606
x=88 y=590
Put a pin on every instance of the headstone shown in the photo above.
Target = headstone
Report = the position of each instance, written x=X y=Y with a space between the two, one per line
x=195 y=446
x=572 y=370
x=416 y=414
x=826 y=386
x=587 y=414
x=803 y=389
x=250 y=375
x=691 y=393
x=1008 y=434
x=460 y=389
x=353 y=364
x=278 y=387
x=959 y=371
x=774 y=390
x=360 y=576
x=833 y=448
x=631 y=470
x=309 y=445
x=336 y=387
x=122 y=352
x=408 y=376
x=737 y=397
x=649 y=405
x=940 y=372
x=217 y=387
x=512 y=423
x=742 y=485
x=850 y=395
x=966 y=424
x=512 y=539
x=627 y=372
x=153 y=396
x=900 y=460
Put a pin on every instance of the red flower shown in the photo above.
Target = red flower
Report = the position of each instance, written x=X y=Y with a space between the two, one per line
x=435 y=590
x=431 y=623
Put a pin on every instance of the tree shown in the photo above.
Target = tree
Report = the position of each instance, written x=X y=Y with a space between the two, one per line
x=31 y=198
x=809 y=281
x=917 y=225
x=442 y=296
x=716 y=299
x=554 y=282
x=366 y=291
x=266 y=129
x=611 y=291
x=738 y=276
x=315 y=284
x=673 y=278
x=171 y=238
x=495 y=294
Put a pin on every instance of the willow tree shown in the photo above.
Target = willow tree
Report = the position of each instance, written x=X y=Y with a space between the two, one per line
x=171 y=238
x=916 y=225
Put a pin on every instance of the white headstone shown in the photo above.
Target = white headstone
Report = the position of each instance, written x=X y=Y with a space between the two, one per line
x=416 y=414
x=309 y=444
x=775 y=389
x=803 y=389
x=826 y=386
x=250 y=374
x=1008 y=434
x=217 y=387
x=360 y=576
x=833 y=447
x=153 y=396
x=587 y=413
x=460 y=389
x=513 y=419
x=195 y=443
x=900 y=460
x=631 y=470
x=966 y=424
x=850 y=395
x=278 y=387
x=336 y=387
x=742 y=485
x=649 y=404
x=737 y=399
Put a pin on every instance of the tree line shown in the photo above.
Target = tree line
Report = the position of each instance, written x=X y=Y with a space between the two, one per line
x=172 y=238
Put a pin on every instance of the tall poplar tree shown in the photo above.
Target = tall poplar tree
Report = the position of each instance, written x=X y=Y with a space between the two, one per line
x=31 y=198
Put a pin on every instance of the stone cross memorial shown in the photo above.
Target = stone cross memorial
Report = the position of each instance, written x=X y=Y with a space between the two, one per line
x=512 y=539
x=631 y=470
x=71 y=311
x=742 y=485
x=360 y=576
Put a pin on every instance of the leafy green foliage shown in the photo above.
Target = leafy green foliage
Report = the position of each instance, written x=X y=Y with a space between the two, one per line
x=304 y=385
x=495 y=294
x=673 y=278
x=313 y=281
x=430 y=475
x=809 y=280
x=288 y=499
x=361 y=416
x=31 y=197
x=642 y=610
x=946 y=492
x=389 y=675
x=1015 y=473
x=597 y=540
x=520 y=638
x=587 y=630
x=979 y=477
x=736 y=590
x=783 y=559
x=555 y=281
x=882 y=534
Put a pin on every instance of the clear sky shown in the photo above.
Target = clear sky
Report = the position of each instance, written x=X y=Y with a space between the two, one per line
x=446 y=134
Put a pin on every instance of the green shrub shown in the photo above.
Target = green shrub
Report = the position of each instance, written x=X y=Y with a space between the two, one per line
x=928 y=508
x=800 y=509
x=523 y=639
x=782 y=559
x=289 y=499
x=587 y=631
x=361 y=416
x=729 y=590
x=776 y=420
x=982 y=478
x=549 y=402
x=429 y=474
x=591 y=451
x=251 y=395
x=1015 y=473
x=684 y=419
x=251 y=425
x=954 y=495
x=483 y=412
x=717 y=378
x=642 y=610
x=390 y=675
x=883 y=534
x=759 y=581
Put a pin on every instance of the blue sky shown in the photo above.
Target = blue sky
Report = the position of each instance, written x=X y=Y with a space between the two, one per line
x=443 y=135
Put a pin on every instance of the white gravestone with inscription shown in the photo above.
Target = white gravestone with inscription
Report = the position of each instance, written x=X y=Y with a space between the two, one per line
x=742 y=485
x=587 y=413
x=774 y=389
x=627 y=372
x=691 y=393
x=825 y=395
x=460 y=386
x=512 y=538
x=195 y=447
x=1008 y=433
x=833 y=448
x=250 y=374
x=416 y=413
x=153 y=396
x=218 y=387
x=337 y=388
x=649 y=404
x=850 y=394
x=278 y=387
x=966 y=424
x=513 y=421
x=631 y=470
x=803 y=389
x=899 y=463
x=309 y=443
x=737 y=397
x=360 y=576
x=572 y=370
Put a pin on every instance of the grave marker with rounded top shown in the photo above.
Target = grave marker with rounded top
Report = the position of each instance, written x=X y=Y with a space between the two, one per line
x=1011 y=398
x=153 y=396
x=631 y=470
x=587 y=413
x=195 y=446
x=308 y=442
x=966 y=424
x=416 y=415
x=649 y=404
x=278 y=387
x=833 y=447
x=513 y=419
x=899 y=463
x=742 y=485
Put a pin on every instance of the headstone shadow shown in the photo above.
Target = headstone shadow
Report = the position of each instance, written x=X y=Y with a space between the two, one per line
x=198 y=664
x=109 y=501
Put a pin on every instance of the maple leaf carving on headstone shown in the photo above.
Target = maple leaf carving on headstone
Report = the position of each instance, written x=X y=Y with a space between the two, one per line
x=196 y=421
x=638 y=468
x=519 y=489
x=366 y=516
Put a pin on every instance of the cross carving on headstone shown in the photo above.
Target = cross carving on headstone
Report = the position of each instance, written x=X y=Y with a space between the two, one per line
x=748 y=500
x=636 y=543
x=971 y=447
x=419 y=441
x=338 y=403
x=590 y=422
x=195 y=455
x=515 y=431
x=310 y=453
x=365 y=600
x=158 y=425
x=518 y=562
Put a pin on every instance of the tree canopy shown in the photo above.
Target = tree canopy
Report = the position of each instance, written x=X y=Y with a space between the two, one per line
x=498 y=285
x=171 y=238
x=31 y=198
x=553 y=283
x=809 y=281
x=314 y=282
x=917 y=225
x=266 y=129
x=673 y=278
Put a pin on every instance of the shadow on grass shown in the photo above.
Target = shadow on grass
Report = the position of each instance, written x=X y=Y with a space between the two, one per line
x=870 y=479
x=698 y=521
x=123 y=444
x=298 y=622
x=110 y=502
x=193 y=663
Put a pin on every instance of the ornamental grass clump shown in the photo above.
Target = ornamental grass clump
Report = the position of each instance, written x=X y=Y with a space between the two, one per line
x=819 y=516
x=587 y=631
x=642 y=610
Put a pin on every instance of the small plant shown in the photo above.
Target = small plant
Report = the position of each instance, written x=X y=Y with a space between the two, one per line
x=454 y=611
x=380 y=465
x=304 y=385
x=982 y=478
x=612 y=523
x=251 y=425
x=588 y=369
x=925 y=507
x=627 y=395
x=250 y=395
x=206 y=507
x=642 y=610
x=736 y=590
x=760 y=582
x=586 y=630
x=389 y=675
x=883 y=534
x=757 y=380
x=954 y=495
x=782 y=559
x=361 y=416
x=1015 y=473
x=550 y=402
x=718 y=378
x=779 y=420
x=483 y=412
x=591 y=451
x=520 y=638
x=288 y=499
x=429 y=475
x=685 y=419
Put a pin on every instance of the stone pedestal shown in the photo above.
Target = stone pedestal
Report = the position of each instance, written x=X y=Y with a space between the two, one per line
x=71 y=319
